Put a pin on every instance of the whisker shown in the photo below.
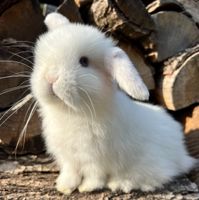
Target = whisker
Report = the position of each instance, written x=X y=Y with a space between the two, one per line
x=89 y=98
x=14 y=76
x=13 y=61
x=29 y=57
x=22 y=102
x=22 y=83
x=25 y=41
x=28 y=47
x=30 y=52
x=14 y=89
x=86 y=75
x=90 y=110
x=17 y=106
x=92 y=89
x=7 y=117
x=26 y=125
x=17 y=55
x=25 y=92
x=84 y=113
x=18 y=42
x=23 y=72
x=25 y=119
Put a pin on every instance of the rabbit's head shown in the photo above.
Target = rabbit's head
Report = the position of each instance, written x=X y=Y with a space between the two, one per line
x=77 y=64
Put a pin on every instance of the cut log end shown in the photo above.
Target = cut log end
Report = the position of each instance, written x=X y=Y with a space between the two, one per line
x=178 y=87
x=128 y=18
x=175 y=33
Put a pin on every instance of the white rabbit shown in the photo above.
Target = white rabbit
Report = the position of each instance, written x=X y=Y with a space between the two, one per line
x=99 y=137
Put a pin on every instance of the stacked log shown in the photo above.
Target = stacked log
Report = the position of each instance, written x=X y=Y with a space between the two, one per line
x=17 y=19
x=161 y=38
x=21 y=22
x=15 y=69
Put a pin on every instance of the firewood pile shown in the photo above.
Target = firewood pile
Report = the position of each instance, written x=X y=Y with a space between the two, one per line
x=161 y=38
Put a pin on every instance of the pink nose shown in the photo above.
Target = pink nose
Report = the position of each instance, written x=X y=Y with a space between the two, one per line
x=51 y=78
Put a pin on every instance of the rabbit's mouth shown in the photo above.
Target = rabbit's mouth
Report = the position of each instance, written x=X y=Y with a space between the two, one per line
x=51 y=91
x=67 y=98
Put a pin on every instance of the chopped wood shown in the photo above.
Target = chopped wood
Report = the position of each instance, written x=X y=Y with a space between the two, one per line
x=15 y=69
x=81 y=3
x=12 y=123
x=161 y=5
x=22 y=20
x=178 y=86
x=191 y=7
x=128 y=18
x=144 y=69
x=70 y=10
x=5 y=4
x=189 y=117
x=192 y=122
x=175 y=33
x=191 y=126
x=13 y=87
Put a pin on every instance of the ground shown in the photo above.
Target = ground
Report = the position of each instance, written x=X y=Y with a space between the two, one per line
x=33 y=177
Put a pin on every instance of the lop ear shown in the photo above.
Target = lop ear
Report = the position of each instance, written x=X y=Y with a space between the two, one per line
x=126 y=75
x=54 y=20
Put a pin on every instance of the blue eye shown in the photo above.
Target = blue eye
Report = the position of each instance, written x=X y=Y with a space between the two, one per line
x=84 y=61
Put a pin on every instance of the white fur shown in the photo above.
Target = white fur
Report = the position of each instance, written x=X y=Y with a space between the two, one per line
x=126 y=74
x=98 y=136
x=54 y=20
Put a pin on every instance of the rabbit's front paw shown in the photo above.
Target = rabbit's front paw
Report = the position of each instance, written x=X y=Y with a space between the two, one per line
x=90 y=184
x=66 y=184
x=64 y=190
x=121 y=185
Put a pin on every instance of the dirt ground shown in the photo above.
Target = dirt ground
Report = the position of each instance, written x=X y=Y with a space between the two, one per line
x=33 y=177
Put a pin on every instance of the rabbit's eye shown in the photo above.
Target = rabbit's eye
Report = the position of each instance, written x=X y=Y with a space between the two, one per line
x=84 y=61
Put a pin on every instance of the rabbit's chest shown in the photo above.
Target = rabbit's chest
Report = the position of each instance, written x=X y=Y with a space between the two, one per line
x=74 y=138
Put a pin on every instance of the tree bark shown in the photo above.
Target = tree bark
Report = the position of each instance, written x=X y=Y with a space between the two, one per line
x=178 y=86
x=174 y=33
x=127 y=18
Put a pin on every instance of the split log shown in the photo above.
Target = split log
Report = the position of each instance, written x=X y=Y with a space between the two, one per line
x=144 y=69
x=189 y=118
x=15 y=68
x=147 y=2
x=191 y=126
x=192 y=122
x=51 y=2
x=22 y=21
x=5 y=4
x=81 y=3
x=178 y=86
x=192 y=8
x=164 y=5
x=11 y=89
x=10 y=131
x=175 y=32
x=127 y=18
x=15 y=62
x=70 y=10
